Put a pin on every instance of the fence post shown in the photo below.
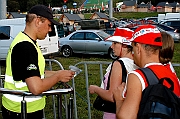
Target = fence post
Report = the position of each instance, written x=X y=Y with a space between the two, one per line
x=85 y=63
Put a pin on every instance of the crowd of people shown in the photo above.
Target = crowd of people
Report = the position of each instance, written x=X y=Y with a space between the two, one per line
x=150 y=49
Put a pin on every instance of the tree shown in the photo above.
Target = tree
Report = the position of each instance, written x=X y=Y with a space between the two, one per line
x=31 y=3
x=13 y=6
x=23 y=5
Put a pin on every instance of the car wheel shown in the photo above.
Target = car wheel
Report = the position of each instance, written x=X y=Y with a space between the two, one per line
x=67 y=51
x=111 y=54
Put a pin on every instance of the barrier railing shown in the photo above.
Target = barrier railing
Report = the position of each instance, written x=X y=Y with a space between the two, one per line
x=85 y=68
x=86 y=63
x=175 y=64
x=58 y=92
x=24 y=94
x=66 y=89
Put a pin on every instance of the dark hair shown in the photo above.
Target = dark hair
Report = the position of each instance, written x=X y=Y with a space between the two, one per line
x=30 y=17
x=129 y=48
x=167 y=51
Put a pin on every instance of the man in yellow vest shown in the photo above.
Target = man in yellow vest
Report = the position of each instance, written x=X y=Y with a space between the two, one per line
x=25 y=66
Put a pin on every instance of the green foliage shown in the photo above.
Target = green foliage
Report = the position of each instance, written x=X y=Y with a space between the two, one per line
x=25 y=5
x=129 y=15
x=87 y=15
x=13 y=6
x=176 y=58
x=134 y=15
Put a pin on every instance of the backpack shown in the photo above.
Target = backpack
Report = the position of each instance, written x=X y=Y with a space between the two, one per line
x=158 y=101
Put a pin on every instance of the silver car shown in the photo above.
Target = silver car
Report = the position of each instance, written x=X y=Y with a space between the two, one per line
x=172 y=31
x=86 y=42
x=175 y=23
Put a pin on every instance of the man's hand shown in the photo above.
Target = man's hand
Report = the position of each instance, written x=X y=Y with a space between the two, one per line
x=65 y=75
x=117 y=93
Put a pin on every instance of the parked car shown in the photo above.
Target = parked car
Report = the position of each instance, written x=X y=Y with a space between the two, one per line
x=175 y=23
x=110 y=31
x=121 y=24
x=173 y=32
x=86 y=42
x=139 y=22
x=154 y=19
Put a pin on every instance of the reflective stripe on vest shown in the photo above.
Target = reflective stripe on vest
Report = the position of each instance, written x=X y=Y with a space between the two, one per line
x=17 y=84
x=31 y=106
x=13 y=102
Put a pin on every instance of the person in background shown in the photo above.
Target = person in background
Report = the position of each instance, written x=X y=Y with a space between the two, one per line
x=123 y=49
x=167 y=51
x=146 y=42
x=25 y=67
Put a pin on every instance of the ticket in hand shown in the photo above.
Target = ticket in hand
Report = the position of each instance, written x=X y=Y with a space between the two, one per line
x=75 y=69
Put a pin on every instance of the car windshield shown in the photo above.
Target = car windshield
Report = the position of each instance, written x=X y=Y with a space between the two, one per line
x=103 y=34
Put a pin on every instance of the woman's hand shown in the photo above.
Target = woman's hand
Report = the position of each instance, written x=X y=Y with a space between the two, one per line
x=92 y=88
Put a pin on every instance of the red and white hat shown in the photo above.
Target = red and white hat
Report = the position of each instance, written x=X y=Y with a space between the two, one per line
x=147 y=34
x=121 y=35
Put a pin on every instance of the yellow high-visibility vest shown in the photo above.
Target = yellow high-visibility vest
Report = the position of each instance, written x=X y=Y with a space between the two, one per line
x=13 y=102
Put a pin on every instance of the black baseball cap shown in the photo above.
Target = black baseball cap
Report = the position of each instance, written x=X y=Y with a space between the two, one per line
x=44 y=11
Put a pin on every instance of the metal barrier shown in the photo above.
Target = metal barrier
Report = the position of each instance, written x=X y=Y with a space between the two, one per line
x=86 y=63
x=175 y=64
x=67 y=89
x=58 y=92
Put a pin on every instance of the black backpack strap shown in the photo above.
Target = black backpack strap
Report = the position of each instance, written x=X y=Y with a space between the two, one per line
x=151 y=78
x=108 y=83
x=124 y=73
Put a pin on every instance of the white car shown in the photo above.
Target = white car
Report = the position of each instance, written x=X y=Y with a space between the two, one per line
x=86 y=42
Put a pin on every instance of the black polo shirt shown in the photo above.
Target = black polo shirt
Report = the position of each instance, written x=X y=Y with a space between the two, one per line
x=24 y=56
